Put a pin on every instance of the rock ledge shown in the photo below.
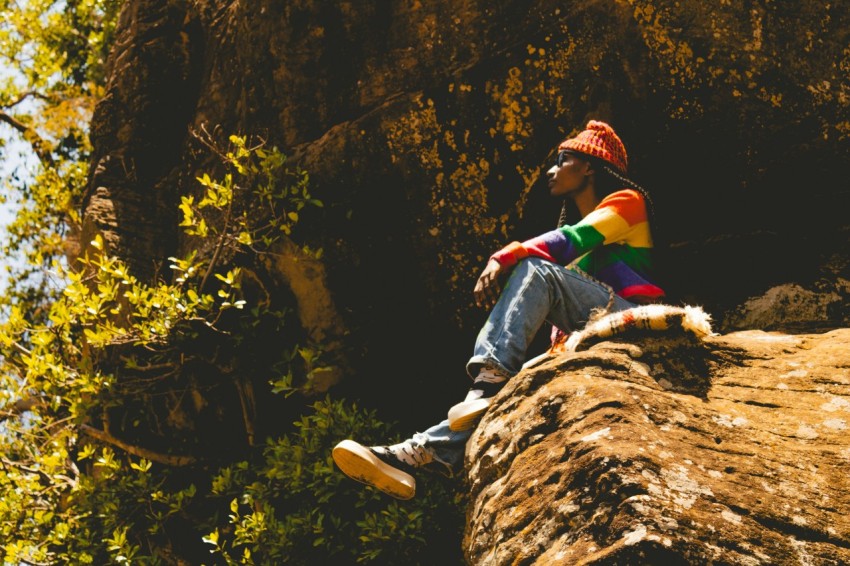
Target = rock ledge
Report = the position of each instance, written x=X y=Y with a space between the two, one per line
x=729 y=451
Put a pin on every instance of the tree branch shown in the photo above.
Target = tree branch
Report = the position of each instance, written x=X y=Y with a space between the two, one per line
x=167 y=459
x=39 y=146
x=17 y=407
x=30 y=93
x=45 y=477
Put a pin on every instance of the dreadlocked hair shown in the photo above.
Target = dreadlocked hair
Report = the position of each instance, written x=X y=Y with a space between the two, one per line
x=608 y=182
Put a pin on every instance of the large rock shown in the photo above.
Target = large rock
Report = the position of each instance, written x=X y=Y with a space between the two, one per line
x=730 y=451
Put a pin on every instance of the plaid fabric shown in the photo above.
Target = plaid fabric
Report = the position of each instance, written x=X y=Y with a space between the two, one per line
x=599 y=140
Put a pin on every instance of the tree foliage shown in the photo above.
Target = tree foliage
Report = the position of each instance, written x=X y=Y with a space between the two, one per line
x=54 y=53
x=101 y=461
x=85 y=483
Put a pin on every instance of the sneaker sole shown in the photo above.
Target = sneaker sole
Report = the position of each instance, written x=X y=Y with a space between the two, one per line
x=358 y=463
x=466 y=414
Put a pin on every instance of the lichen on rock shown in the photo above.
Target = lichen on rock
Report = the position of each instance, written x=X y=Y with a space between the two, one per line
x=587 y=458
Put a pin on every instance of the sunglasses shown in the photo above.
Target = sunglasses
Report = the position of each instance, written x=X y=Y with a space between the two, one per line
x=565 y=153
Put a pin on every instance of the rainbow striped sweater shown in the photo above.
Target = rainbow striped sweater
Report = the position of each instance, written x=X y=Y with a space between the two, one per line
x=612 y=244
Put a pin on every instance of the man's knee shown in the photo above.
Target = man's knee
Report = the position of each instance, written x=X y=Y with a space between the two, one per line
x=535 y=264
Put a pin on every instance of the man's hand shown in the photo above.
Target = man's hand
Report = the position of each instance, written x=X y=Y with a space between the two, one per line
x=487 y=288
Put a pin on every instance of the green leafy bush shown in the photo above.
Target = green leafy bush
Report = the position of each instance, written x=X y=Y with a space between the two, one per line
x=103 y=463
x=292 y=506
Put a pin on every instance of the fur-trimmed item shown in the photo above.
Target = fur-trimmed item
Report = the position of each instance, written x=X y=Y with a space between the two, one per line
x=659 y=317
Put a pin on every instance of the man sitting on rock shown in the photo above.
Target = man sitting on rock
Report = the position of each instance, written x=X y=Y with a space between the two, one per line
x=563 y=276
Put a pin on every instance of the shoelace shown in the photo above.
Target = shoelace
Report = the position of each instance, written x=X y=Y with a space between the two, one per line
x=489 y=375
x=411 y=454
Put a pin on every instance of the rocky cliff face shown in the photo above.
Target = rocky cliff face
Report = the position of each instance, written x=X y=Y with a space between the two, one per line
x=667 y=451
x=426 y=128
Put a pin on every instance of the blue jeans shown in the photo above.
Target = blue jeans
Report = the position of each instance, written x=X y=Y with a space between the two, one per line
x=537 y=291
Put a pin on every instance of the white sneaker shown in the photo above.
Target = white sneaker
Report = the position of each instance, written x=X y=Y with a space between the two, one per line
x=466 y=414
x=383 y=467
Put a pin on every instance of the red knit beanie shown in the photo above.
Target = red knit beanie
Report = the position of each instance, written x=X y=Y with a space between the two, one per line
x=599 y=140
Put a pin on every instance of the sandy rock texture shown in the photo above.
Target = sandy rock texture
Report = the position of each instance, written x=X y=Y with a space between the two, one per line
x=666 y=450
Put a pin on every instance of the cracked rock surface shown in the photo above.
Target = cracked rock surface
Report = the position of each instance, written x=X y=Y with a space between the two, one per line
x=729 y=451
